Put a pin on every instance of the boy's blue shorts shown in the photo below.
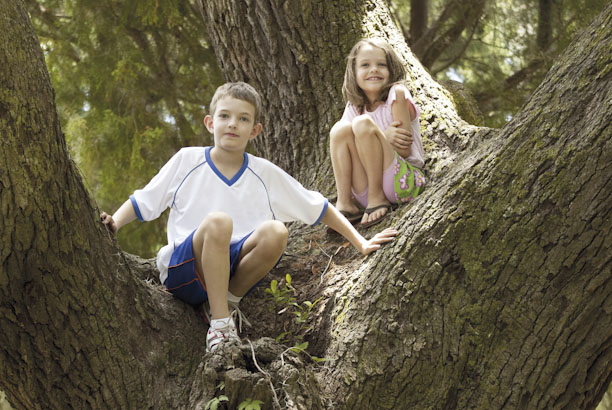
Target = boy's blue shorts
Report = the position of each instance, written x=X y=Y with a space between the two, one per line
x=184 y=281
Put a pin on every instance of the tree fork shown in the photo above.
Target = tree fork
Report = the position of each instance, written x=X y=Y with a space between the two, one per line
x=496 y=295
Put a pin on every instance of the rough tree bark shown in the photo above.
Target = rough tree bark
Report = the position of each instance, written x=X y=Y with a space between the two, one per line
x=296 y=57
x=496 y=295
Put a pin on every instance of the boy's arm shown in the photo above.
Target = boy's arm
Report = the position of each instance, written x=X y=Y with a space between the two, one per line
x=399 y=133
x=123 y=216
x=335 y=220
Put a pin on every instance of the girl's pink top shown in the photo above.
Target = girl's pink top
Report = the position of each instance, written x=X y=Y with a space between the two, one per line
x=383 y=117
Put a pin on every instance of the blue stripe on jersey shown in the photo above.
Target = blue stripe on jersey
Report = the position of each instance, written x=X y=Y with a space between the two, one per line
x=267 y=193
x=181 y=184
x=136 y=208
x=230 y=182
x=322 y=212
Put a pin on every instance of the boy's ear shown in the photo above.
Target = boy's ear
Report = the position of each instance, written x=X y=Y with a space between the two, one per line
x=256 y=130
x=208 y=122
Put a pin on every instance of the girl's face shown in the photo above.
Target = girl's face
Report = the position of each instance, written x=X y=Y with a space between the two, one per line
x=371 y=71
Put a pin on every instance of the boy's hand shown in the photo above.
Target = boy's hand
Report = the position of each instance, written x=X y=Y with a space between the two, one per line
x=373 y=244
x=109 y=222
x=399 y=138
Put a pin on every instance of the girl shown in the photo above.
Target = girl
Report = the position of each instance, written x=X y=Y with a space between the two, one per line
x=376 y=147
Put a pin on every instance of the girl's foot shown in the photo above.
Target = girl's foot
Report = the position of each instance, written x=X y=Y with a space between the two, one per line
x=349 y=210
x=375 y=214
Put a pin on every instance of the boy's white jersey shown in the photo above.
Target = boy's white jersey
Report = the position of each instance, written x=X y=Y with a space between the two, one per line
x=192 y=187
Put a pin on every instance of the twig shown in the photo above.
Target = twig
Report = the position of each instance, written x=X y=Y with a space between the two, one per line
x=329 y=262
x=266 y=375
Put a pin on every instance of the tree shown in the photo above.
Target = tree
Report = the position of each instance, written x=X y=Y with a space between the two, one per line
x=500 y=49
x=496 y=295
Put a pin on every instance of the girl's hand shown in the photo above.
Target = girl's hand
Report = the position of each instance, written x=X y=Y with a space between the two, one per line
x=109 y=222
x=399 y=138
x=373 y=244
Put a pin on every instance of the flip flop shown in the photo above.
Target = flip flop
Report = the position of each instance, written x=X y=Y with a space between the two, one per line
x=368 y=211
x=352 y=217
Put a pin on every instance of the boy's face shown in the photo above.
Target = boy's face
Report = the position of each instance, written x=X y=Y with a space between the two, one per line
x=233 y=124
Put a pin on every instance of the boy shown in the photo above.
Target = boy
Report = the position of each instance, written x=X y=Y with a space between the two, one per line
x=226 y=206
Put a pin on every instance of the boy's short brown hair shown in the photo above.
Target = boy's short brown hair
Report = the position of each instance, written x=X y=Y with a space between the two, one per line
x=239 y=90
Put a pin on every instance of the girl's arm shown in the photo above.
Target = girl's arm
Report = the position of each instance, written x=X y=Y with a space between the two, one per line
x=399 y=133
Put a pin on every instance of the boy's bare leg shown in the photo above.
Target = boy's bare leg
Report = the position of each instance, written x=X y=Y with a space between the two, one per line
x=259 y=254
x=211 y=243
x=348 y=170
x=376 y=155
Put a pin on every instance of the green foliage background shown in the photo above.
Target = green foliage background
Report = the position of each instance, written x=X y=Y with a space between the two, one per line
x=132 y=78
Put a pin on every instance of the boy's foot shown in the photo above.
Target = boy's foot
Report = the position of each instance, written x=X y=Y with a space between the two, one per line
x=220 y=330
x=235 y=312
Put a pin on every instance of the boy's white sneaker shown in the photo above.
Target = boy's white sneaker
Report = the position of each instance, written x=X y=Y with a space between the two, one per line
x=235 y=312
x=220 y=330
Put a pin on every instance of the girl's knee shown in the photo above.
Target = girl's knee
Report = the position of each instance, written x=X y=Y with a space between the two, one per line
x=341 y=130
x=363 y=126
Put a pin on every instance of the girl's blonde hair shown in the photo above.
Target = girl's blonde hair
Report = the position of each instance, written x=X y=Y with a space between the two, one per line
x=351 y=91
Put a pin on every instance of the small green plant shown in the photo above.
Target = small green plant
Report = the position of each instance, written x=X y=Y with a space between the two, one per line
x=303 y=311
x=213 y=403
x=282 y=297
x=284 y=300
x=301 y=348
x=250 y=404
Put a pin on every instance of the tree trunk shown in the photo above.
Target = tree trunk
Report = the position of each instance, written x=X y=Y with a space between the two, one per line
x=78 y=328
x=419 y=10
x=496 y=295
x=296 y=57
x=545 y=25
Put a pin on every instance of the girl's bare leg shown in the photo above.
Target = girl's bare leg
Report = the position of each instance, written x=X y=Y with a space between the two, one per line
x=376 y=154
x=347 y=167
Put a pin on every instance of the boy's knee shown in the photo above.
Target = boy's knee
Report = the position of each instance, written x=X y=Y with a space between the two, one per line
x=275 y=235
x=218 y=225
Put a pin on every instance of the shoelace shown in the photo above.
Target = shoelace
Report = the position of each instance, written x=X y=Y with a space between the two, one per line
x=236 y=314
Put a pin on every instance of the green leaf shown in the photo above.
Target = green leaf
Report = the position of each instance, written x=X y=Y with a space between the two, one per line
x=281 y=337
x=250 y=404
x=300 y=347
